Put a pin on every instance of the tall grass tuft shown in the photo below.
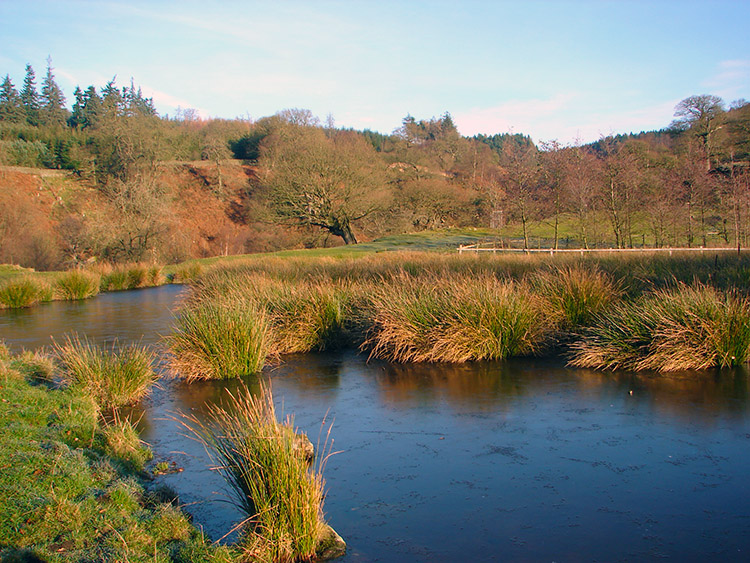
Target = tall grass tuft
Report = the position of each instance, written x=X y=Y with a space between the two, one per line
x=219 y=339
x=305 y=316
x=189 y=271
x=114 y=279
x=694 y=327
x=77 y=284
x=113 y=377
x=269 y=479
x=576 y=293
x=121 y=441
x=138 y=275
x=24 y=292
x=455 y=319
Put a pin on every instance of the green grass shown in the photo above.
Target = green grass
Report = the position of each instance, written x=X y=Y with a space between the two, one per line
x=74 y=285
x=68 y=490
x=219 y=339
x=437 y=307
x=23 y=292
x=576 y=293
x=114 y=377
x=271 y=483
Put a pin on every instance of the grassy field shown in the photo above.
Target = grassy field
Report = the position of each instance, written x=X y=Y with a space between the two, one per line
x=72 y=486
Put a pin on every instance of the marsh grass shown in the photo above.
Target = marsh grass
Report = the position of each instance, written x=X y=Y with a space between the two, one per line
x=118 y=277
x=218 y=339
x=305 y=317
x=77 y=284
x=689 y=327
x=187 y=272
x=113 y=377
x=270 y=481
x=23 y=292
x=422 y=306
x=455 y=319
x=576 y=293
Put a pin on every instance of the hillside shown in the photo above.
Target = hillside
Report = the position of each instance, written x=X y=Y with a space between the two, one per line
x=51 y=218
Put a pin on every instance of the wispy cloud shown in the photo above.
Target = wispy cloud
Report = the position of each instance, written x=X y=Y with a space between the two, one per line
x=165 y=101
x=731 y=78
x=521 y=116
x=568 y=118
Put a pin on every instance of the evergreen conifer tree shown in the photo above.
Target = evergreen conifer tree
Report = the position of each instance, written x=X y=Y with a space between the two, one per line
x=52 y=111
x=30 y=97
x=11 y=107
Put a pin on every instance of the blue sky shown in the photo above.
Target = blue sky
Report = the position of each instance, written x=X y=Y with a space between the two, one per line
x=562 y=70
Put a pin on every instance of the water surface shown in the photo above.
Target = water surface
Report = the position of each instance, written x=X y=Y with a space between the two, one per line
x=498 y=461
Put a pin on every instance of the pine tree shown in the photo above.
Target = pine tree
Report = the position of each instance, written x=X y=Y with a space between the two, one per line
x=11 y=107
x=30 y=97
x=86 y=109
x=53 y=110
x=76 y=116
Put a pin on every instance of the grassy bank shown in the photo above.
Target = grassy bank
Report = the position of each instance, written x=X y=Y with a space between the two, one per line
x=70 y=484
x=21 y=287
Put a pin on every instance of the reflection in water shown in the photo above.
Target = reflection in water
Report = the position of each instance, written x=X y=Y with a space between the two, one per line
x=514 y=461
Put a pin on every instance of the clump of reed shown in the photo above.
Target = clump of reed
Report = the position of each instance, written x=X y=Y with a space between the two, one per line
x=455 y=319
x=24 y=292
x=576 y=293
x=302 y=315
x=271 y=484
x=306 y=316
x=77 y=284
x=187 y=272
x=113 y=377
x=688 y=327
x=122 y=442
x=117 y=277
x=219 y=338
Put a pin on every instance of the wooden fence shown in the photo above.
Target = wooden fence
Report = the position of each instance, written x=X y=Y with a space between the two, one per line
x=492 y=247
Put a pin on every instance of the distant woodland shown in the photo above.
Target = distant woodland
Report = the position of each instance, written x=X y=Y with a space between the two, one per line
x=115 y=181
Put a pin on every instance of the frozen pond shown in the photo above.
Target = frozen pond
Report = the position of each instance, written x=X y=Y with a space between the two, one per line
x=507 y=461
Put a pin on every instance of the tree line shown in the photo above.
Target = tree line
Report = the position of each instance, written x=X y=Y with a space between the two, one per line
x=687 y=184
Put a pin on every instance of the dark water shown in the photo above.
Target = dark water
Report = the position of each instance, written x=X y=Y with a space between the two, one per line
x=513 y=461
